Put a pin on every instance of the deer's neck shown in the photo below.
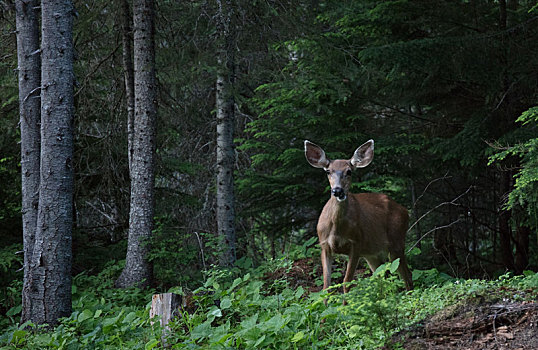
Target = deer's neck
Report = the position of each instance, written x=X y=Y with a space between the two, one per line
x=338 y=210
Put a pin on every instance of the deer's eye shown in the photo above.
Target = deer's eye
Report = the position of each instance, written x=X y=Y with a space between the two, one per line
x=348 y=173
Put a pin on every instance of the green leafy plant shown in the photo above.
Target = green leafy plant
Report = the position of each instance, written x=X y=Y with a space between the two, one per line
x=172 y=250
x=236 y=309
x=11 y=260
x=525 y=191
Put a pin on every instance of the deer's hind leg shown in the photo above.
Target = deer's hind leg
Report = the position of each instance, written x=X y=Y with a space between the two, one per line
x=403 y=269
x=405 y=273
x=374 y=262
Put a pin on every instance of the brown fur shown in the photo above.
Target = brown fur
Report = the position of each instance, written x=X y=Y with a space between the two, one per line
x=369 y=225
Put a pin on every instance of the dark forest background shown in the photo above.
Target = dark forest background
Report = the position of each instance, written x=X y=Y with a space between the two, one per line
x=447 y=89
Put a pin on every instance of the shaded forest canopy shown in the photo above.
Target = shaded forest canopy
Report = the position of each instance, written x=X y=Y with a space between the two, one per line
x=447 y=89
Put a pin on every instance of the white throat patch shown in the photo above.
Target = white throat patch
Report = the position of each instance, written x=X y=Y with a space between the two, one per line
x=341 y=200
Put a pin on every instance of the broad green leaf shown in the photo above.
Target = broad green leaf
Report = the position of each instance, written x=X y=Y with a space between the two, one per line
x=215 y=311
x=235 y=283
x=19 y=335
x=394 y=265
x=416 y=274
x=84 y=315
x=15 y=310
x=249 y=322
x=299 y=292
x=108 y=323
x=129 y=317
x=225 y=303
x=354 y=331
x=202 y=331
x=42 y=340
x=297 y=337
x=380 y=269
x=151 y=344
x=262 y=338
x=276 y=322
x=246 y=277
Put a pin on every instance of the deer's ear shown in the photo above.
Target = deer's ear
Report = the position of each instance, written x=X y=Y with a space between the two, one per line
x=315 y=155
x=363 y=155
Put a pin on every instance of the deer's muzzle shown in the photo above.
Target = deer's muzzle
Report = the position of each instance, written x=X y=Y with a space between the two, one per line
x=339 y=193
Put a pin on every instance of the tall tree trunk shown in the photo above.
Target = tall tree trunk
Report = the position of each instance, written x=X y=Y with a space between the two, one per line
x=505 y=231
x=138 y=270
x=29 y=67
x=506 y=18
x=225 y=132
x=416 y=215
x=128 y=71
x=522 y=248
x=49 y=284
x=502 y=14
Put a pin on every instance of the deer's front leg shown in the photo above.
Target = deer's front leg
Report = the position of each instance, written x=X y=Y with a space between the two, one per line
x=350 y=270
x=326 y=263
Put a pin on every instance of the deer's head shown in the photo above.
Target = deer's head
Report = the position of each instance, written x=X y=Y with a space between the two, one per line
x=339 y=171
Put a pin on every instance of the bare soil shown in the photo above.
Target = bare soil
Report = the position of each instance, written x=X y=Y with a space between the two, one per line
x=303 y=272
x=483 y=325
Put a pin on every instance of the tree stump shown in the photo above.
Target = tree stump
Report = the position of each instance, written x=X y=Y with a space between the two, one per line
x=165 y=306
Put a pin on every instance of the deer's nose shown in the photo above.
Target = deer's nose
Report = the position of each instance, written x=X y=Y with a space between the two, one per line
x=338 y=192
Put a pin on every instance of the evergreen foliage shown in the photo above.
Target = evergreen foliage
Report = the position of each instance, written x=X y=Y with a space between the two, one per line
x=447 y=89
x=431 y=81
x=524 y=195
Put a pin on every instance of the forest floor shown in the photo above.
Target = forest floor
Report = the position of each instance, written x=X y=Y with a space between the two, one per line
x=477 y=325
x=471 y=324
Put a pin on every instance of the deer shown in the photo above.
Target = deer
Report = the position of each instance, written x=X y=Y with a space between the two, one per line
x=368 y=225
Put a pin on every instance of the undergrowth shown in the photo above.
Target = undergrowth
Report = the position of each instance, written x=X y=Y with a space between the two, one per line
x=238 y=309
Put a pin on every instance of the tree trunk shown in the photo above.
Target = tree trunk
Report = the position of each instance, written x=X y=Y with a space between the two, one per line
x=138 y=270
x=225 y=131
x=165 y=307
x=49 y=285
x=505 y=231
x=128 y=71
x=416 y=216
x=29 y=67
x=521 y=260
x=502 y=14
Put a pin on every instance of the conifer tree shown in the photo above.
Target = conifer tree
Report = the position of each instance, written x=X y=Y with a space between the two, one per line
x=47 y=291
x=138 y=270
x=29 y=67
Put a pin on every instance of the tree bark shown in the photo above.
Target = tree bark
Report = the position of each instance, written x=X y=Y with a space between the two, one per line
x=138 y=270
x=415 y=214
x=505 y=231
x=128 y=71
x=29 y=67
x=502 y=14
x=165 y=307
x=521 y=259
x=49 y=285
x=225 y=131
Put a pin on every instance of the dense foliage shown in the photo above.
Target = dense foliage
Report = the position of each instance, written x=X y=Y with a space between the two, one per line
x=242 y=309
x=437 y=84
x=447 y=89
x=525 y=190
